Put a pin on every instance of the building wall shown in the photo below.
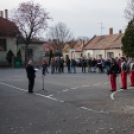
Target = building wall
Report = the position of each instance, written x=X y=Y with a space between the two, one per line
x=99 y=54
x=88 y=53
x=11 y=45
x=117 y=52
x=77 y=54
x=38 y=53
x=102 y=53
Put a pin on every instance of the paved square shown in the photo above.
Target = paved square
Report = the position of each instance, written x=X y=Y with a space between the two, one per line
x=71 y=104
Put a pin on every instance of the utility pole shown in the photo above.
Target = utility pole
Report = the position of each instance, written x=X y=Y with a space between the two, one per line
x=101 y=27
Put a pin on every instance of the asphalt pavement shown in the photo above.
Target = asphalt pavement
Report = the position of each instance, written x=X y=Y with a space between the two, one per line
x=78 y=103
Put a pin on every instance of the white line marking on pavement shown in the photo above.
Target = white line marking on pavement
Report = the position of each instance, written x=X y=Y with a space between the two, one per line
x=97 y=84
x=75 y=88
x=112 y=95
x=65 y=90
x=48 y=97
x=13 y=86
x=95 y=111
x=85 y=85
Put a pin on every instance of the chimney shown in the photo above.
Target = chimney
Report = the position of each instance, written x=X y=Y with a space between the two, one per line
x=110 y=31
x=6 y=14
x=1 y=14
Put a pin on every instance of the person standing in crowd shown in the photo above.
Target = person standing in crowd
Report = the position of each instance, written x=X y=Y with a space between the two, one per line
x=52 y=63
x=94 y=63
x=68 y=64
x=101 y=64
x=30 y=75
x=107 y=65
x=119 y=64
x=129 y=60
x=56 y=64
x=131 y=72
x=59 y=65
x=116 y=59
x=73 y=64
x=84 y=64
x=62 y=65
x=44 y=62
x=123 y=73
x=89 y=64
x=112 y=74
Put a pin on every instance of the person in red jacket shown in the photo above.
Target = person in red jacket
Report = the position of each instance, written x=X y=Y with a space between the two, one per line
x=112 y=74
x=123 y=73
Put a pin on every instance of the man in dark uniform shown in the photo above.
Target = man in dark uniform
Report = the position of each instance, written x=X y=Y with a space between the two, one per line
x=113 y=73
x=30 y=75
x=84 y=64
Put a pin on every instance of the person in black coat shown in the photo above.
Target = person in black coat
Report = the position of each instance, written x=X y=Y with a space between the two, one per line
x=84 y=64
x=30 y=75
x=113 y=71
x=94 y=63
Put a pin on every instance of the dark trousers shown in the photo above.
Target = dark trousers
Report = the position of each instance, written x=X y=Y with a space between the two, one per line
x=68 y=67
x=31 y=84
x=62 y=68
x=84 y=69
x=100 y=68
x=56 y=68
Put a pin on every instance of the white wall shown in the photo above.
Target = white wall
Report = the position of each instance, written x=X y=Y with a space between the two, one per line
x=37 y=52
x=11 y=45
x=99 y=52
x=117 y=52
x=88 y=53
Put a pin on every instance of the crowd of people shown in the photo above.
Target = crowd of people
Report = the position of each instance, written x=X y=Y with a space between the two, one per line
x=113 y=67
x=87 y=65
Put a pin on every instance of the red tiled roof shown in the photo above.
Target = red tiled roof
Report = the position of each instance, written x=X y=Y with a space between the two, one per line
x=79 y=45
x=105 y=42
x=49 y=46
x=7 y=28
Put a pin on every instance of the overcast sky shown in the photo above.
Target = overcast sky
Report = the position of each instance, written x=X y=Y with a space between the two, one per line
x=82 y=17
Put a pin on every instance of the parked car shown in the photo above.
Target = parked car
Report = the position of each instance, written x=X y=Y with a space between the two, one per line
x=79 y=61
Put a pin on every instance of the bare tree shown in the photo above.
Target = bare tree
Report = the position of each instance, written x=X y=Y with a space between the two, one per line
x=60 y=34
x=31 y=20
x=129 y=10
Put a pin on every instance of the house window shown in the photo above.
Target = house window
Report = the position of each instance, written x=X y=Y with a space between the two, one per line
x=3 y=45
x=110 y=55
x=30 y=53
